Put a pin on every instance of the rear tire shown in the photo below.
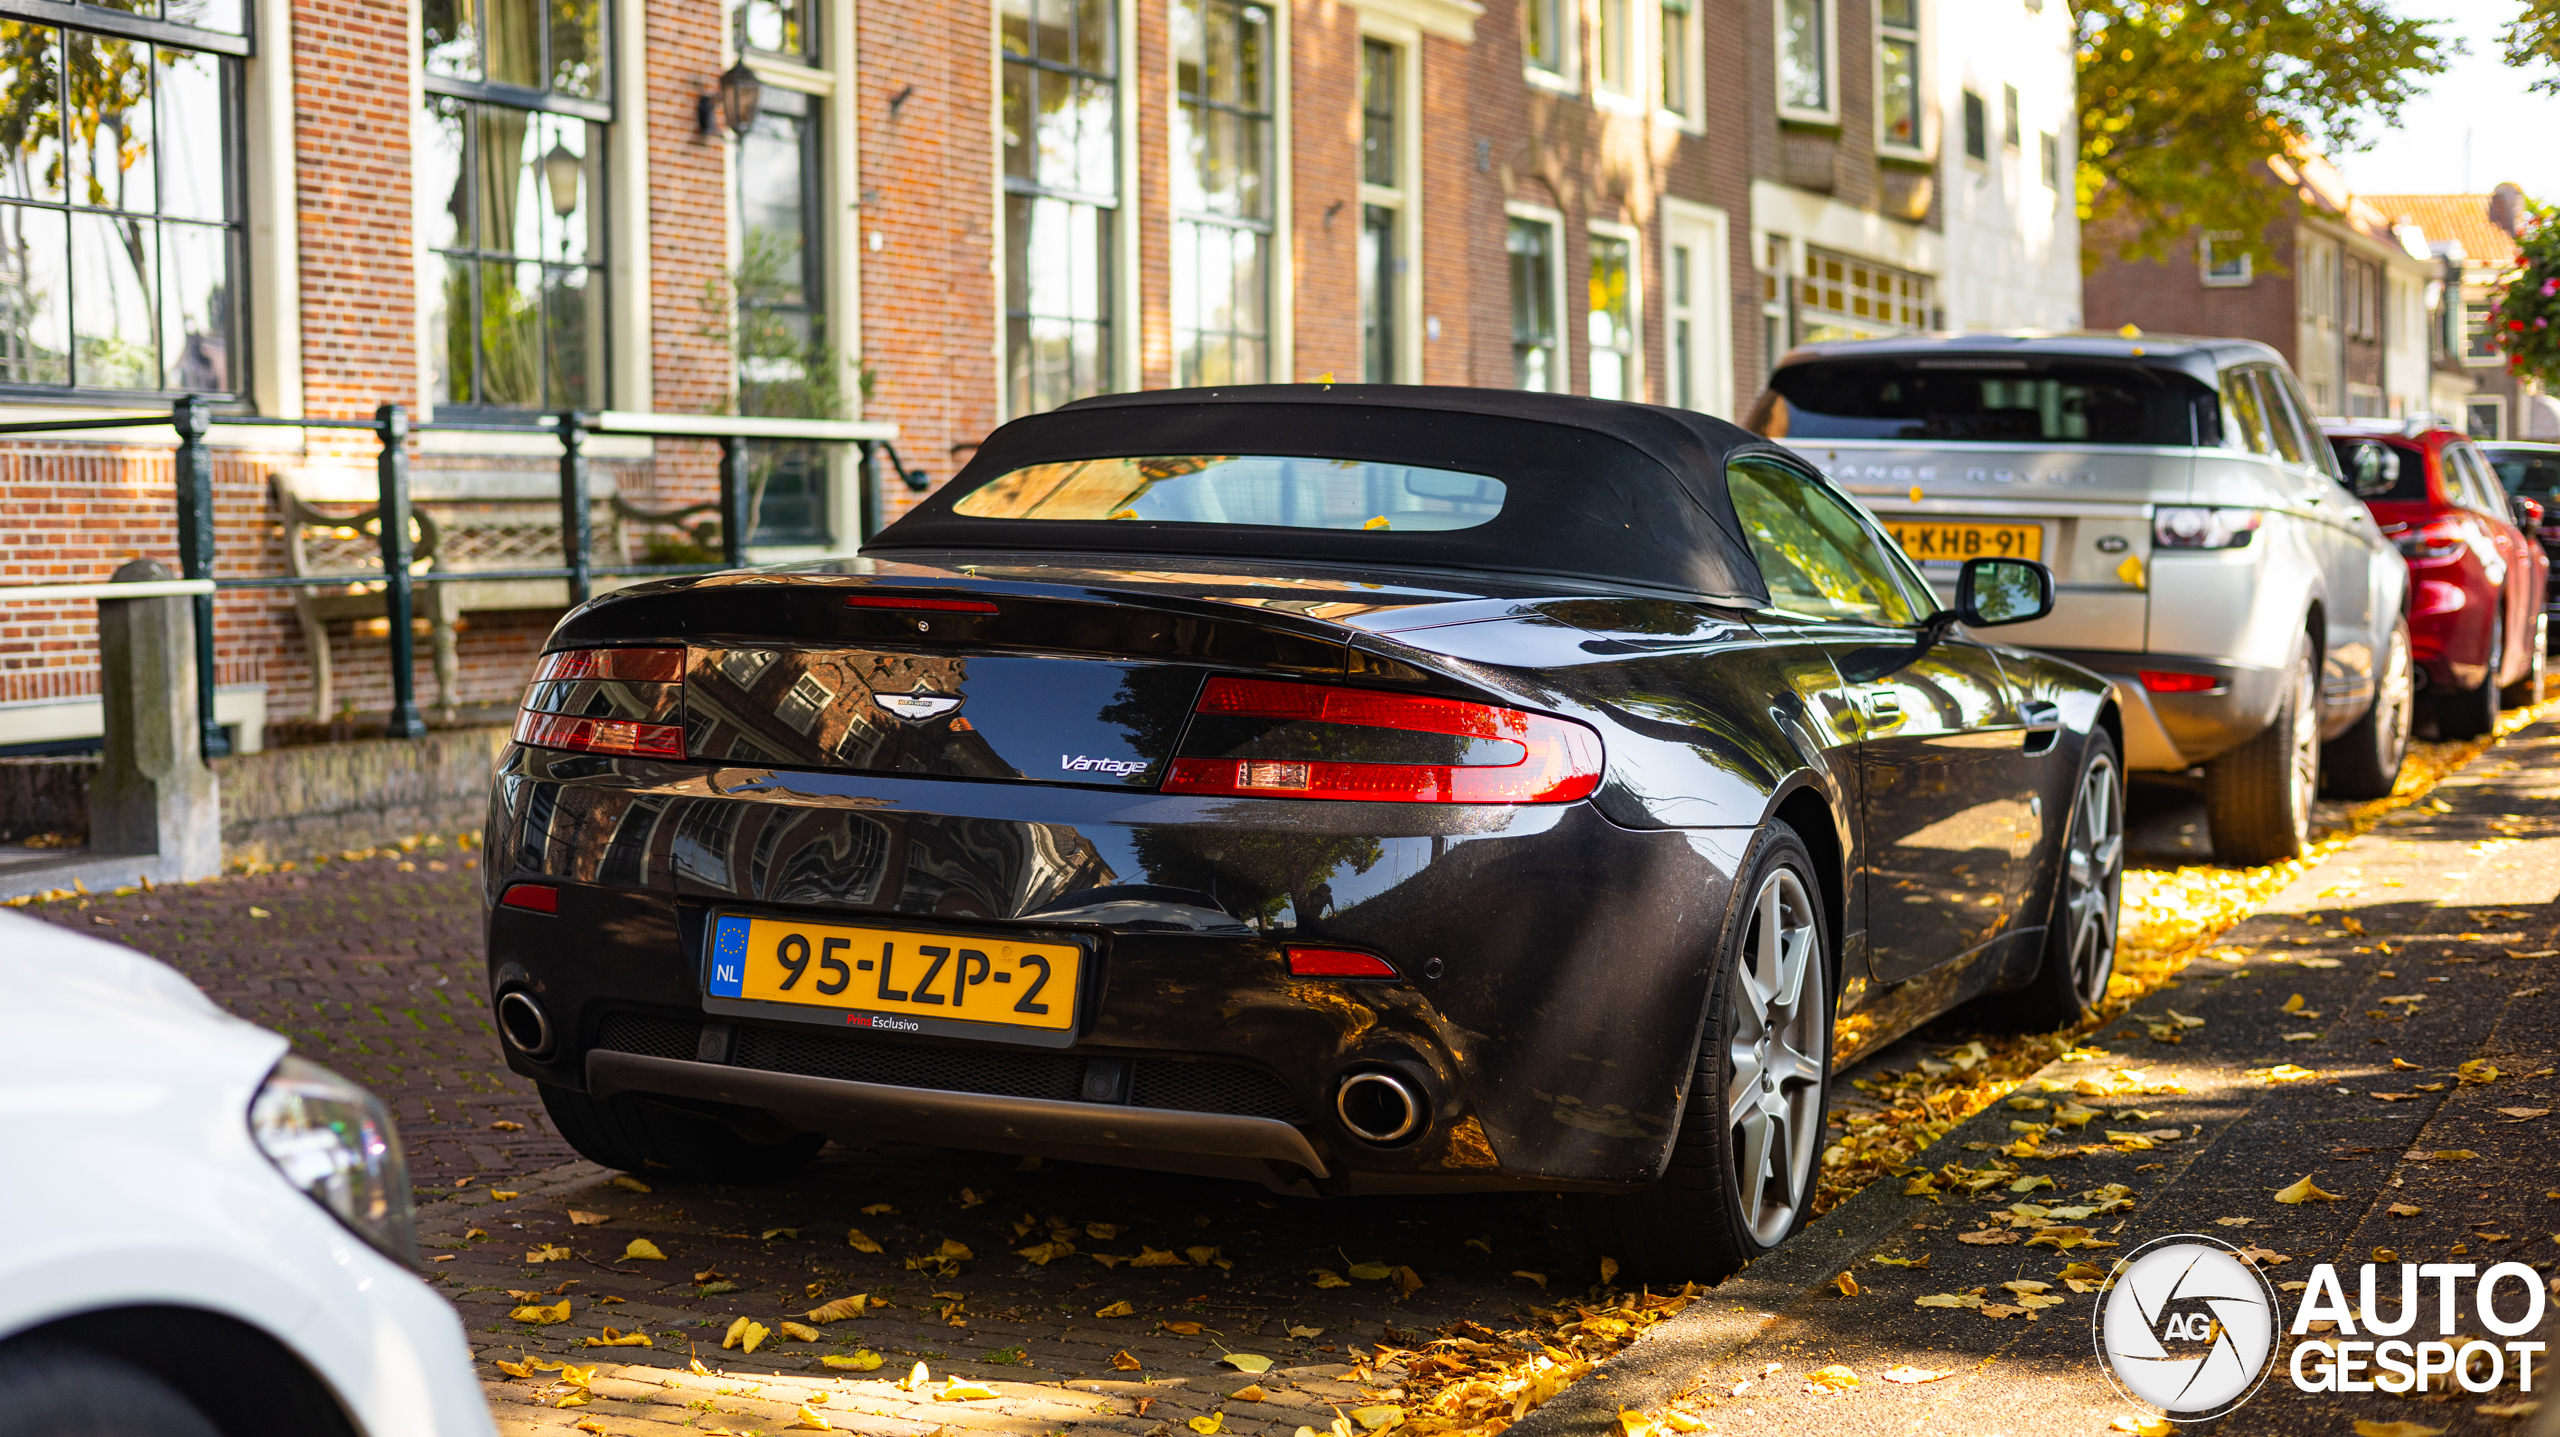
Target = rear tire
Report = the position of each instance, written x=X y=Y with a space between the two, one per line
x=1749 y=1147
x=631 y=1133
x=2257 y=797
x=52 y=1388
x=2471 y=712
x=2527 y=691
x=2365 y=761
x=2081 y=922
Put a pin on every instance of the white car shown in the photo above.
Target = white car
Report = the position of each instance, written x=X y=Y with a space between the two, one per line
x=199 y=1235
x=2207 y=559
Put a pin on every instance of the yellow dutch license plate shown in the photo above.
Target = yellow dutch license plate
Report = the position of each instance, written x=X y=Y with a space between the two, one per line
x=1954 y=541
x=895 y=979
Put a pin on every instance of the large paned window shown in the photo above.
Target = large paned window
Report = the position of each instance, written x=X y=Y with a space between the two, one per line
x=1898 y=73
x=1612 y=317
x=1546 y=37
x=1678 y=36
x=512 y=164
x=786 y=368
x=1382 y=261
x=1845 y=297
x=776 y=27
x=1537 y=360
x=1777 y=317
x=1222 y=192
x=1613 y=43
x=1804 y=57
x=1062 y=189
x=120 y=246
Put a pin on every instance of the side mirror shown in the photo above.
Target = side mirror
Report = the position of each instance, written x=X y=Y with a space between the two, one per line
x=2528 y=513
x=1991 y=592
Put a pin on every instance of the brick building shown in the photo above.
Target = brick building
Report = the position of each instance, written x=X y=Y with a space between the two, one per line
x=935 y=217
x=2340 y=286
x=2477 y=253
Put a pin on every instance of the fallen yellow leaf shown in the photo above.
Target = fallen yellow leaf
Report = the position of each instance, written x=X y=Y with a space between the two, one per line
x=1608 y=1269
x=1327 y=1278
x=960 y=1389
x=549 y=1253
x=2293 y=1004
x=1250 y=1392
x=2396 y=1429
x=542 y=1316
x=840 y=1309
x=790 y=1233
x=2478 y=1070
x=1834 y=1378
x=914 y=1379
x=1163 y=1257
x=1367 y=1271
x=1848 y=1285
x=1378 y=1418
x=862 y=1360
x=1117 y=1309
x=1947 y=1299
x=798 y=1332
x=1539 y=1278
x=643 y=1250
x=2508 y=1409
x=1247 y=1362
x=512 y=1369
x=1122 y=1361
x=628 y=1183
x=860 y=1241
x=811 y=1420
x=745 y=1334
x=1905 y=1372
x=2304 y=1191
x=612 y=1338
x=1183 y=1328
x=2452 y=1155
x=588 y=1219
x=2144 y=1426
x=1207 y=1426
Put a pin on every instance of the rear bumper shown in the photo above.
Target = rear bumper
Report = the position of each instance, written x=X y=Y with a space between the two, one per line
x=1553 y=966
x=2171 y=732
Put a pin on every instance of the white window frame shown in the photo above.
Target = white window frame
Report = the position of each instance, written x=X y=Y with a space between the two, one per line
x=2205 y=242
x=1635 y=241
x=1630 y=101
x=1693 y=63
x=1566 y=78
x=1406 y=198
x=1125 y=316
x=1280 y=335
x=2496 y=404
x=1553 y=219
x=1829 y=114
x=1708 y=233
x=1922 y=113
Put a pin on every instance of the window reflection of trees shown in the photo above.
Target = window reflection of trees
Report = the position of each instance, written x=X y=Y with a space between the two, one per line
x=1816 y=559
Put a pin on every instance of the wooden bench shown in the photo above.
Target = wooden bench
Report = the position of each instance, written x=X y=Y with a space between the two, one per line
x=463 y=521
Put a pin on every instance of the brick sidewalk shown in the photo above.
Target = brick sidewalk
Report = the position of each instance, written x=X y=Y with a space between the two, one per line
x=374 y=968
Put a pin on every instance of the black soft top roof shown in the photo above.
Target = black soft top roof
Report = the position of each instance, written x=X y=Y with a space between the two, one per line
x=1621 y=493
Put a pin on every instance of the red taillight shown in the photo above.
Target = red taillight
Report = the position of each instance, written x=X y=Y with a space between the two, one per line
x=595 y=735
x=909 y=601
x=532 y=897
x=1559 y=760
x=1337 y=963
x=2434 y=539
x=2168 y=683
x=637 y=666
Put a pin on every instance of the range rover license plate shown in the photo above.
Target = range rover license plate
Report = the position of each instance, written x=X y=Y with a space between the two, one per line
x=1939 y=541
x=897 y=979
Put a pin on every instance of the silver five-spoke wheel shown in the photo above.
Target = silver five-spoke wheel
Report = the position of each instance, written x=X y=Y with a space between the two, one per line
x=1778 y=1048
x=2093 y=868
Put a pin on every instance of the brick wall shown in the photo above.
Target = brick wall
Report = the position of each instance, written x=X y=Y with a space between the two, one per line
x=2169 y=296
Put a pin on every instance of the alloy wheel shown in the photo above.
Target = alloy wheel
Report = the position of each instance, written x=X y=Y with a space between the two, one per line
x=2398 y=701
x=1777 y=1055
x=2304 y=778
x=2093 y=866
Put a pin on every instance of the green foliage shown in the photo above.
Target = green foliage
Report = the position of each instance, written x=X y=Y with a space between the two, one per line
x=2182 y=105
x=2533 y=38
x=2526 y=315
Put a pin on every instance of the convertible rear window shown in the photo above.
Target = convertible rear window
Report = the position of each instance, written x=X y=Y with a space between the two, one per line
x=1995 y=400
x=1269 y=490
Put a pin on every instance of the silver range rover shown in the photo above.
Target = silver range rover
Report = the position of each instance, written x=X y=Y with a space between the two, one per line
x=2208 y=560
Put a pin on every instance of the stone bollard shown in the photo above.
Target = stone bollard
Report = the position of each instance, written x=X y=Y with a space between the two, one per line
x=154 y=794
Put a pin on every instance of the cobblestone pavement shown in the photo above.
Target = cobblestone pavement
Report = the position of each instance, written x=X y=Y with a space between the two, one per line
x=372 y=966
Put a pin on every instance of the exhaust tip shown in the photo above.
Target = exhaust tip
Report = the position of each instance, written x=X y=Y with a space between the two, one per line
x=525 y=1024
x=1378 y=1107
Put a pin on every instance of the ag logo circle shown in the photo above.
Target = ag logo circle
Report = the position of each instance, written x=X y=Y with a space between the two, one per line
x=2188 y=1327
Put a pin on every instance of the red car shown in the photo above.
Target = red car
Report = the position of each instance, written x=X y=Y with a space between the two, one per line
x=2477 y=574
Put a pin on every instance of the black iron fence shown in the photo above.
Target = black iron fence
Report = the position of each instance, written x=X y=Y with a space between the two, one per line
x=393 y=429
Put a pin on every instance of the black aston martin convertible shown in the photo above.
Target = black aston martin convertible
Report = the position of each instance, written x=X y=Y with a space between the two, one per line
x=1355 y=790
